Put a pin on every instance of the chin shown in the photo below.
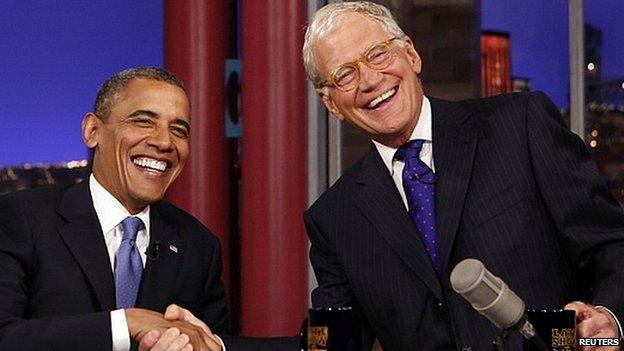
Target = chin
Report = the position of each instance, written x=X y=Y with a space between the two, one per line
x=148 y=196
x=394 y=129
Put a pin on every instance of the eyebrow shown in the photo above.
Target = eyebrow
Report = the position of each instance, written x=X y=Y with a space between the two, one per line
x=143 y=112
x=155 y=115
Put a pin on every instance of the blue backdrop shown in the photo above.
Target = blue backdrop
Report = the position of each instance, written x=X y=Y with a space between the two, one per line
x=54 y=54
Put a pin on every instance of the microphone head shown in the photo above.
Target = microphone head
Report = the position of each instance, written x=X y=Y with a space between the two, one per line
x=466 y=273
x=487 y=293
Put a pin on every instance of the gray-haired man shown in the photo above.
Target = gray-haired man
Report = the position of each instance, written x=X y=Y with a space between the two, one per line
x=497 y=179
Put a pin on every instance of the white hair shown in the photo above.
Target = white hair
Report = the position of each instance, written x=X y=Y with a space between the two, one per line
x=326 y=19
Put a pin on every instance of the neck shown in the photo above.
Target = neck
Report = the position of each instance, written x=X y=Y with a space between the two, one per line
x=131 y=206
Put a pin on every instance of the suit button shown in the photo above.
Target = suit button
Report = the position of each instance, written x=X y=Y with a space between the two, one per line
x=466 y=348
x=441 y=306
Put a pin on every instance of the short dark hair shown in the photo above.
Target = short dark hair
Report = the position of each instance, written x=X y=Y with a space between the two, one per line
x=109 y=90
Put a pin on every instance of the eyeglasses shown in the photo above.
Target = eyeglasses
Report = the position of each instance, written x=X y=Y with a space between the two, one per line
x=347 y=76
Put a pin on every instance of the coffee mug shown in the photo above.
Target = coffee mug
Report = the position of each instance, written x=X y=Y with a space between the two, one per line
x=557 y=328
x=332 y=329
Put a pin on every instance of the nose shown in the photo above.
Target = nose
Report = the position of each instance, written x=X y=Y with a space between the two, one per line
x=369 y=78
x=160 y=138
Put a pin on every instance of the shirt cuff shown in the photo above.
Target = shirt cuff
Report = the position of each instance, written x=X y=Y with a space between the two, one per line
x=614 y=317
x=119 y=330
x=223 y=344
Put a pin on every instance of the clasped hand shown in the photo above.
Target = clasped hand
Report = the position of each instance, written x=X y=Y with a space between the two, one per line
x=594 y=323
x=176 y=330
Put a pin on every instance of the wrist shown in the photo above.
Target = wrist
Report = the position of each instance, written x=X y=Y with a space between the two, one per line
x=140 y=321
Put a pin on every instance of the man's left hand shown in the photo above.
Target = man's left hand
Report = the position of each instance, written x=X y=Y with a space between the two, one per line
x=594 y=323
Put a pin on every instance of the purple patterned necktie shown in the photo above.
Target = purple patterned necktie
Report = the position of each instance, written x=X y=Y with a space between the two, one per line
x=419 y=186
x=128 y=266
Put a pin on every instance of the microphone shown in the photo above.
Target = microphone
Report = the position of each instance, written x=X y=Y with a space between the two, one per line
x=491 y=297
x=153 y=250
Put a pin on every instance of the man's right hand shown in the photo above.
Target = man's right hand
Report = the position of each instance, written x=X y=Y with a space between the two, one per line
x=171 y=340
x=141 y=322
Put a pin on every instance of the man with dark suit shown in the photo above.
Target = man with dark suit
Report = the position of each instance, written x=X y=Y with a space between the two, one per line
x=499 y=179
x=93 y=266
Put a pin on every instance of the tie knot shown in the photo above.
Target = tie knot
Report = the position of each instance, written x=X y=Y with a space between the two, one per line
x=411 y=149
x=131 y=226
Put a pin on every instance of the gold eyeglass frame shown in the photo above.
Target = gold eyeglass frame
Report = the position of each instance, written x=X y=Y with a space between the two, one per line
x=330 y=80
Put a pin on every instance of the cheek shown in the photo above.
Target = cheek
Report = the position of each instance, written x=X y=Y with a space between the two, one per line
x=121 y=151
x=345 y=104
x=183 y=151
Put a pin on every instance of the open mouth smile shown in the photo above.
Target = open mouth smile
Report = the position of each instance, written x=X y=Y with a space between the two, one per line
x=150 y=164
x=382 y=98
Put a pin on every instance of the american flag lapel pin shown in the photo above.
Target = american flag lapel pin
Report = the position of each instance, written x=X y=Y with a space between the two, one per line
x=173 y=248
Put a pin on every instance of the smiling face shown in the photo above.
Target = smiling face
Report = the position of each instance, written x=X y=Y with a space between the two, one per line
x=386 y=103
x=142 y=146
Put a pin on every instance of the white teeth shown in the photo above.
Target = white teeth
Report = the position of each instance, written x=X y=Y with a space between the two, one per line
x=150 y=163
x=381 y=98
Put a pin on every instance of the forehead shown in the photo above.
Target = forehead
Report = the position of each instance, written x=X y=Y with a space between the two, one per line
x=352 y=35
x=154 y=95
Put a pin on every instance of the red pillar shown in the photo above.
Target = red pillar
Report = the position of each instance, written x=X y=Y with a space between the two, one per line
x=195 y=48
x=274 y=246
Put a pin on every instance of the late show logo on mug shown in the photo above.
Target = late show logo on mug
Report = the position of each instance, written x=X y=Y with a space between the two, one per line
x=563 y=339
x=317 y=338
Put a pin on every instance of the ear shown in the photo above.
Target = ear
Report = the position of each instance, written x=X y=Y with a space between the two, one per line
x=90 y=129
x=412 y=55
x=329 y=103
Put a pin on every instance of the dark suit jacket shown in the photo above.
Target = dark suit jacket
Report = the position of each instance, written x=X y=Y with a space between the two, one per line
x=56 y=285
x=514 y=189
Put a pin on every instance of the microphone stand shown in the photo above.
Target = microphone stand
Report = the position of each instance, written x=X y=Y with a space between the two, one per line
x=500 y=343
x=526 y=329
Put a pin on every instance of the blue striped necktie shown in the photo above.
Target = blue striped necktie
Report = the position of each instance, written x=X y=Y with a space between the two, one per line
x=128 y=266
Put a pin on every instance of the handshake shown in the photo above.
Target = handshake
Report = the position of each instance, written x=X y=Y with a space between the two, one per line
x=177 y=330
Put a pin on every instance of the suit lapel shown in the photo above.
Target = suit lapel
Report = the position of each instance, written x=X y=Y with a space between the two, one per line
x=379 y=200
x=158 y=279
x=83 y=236
x=454 y=145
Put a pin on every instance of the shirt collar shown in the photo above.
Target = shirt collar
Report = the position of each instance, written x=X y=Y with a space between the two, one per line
x=422 y=131
x=109 y=210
